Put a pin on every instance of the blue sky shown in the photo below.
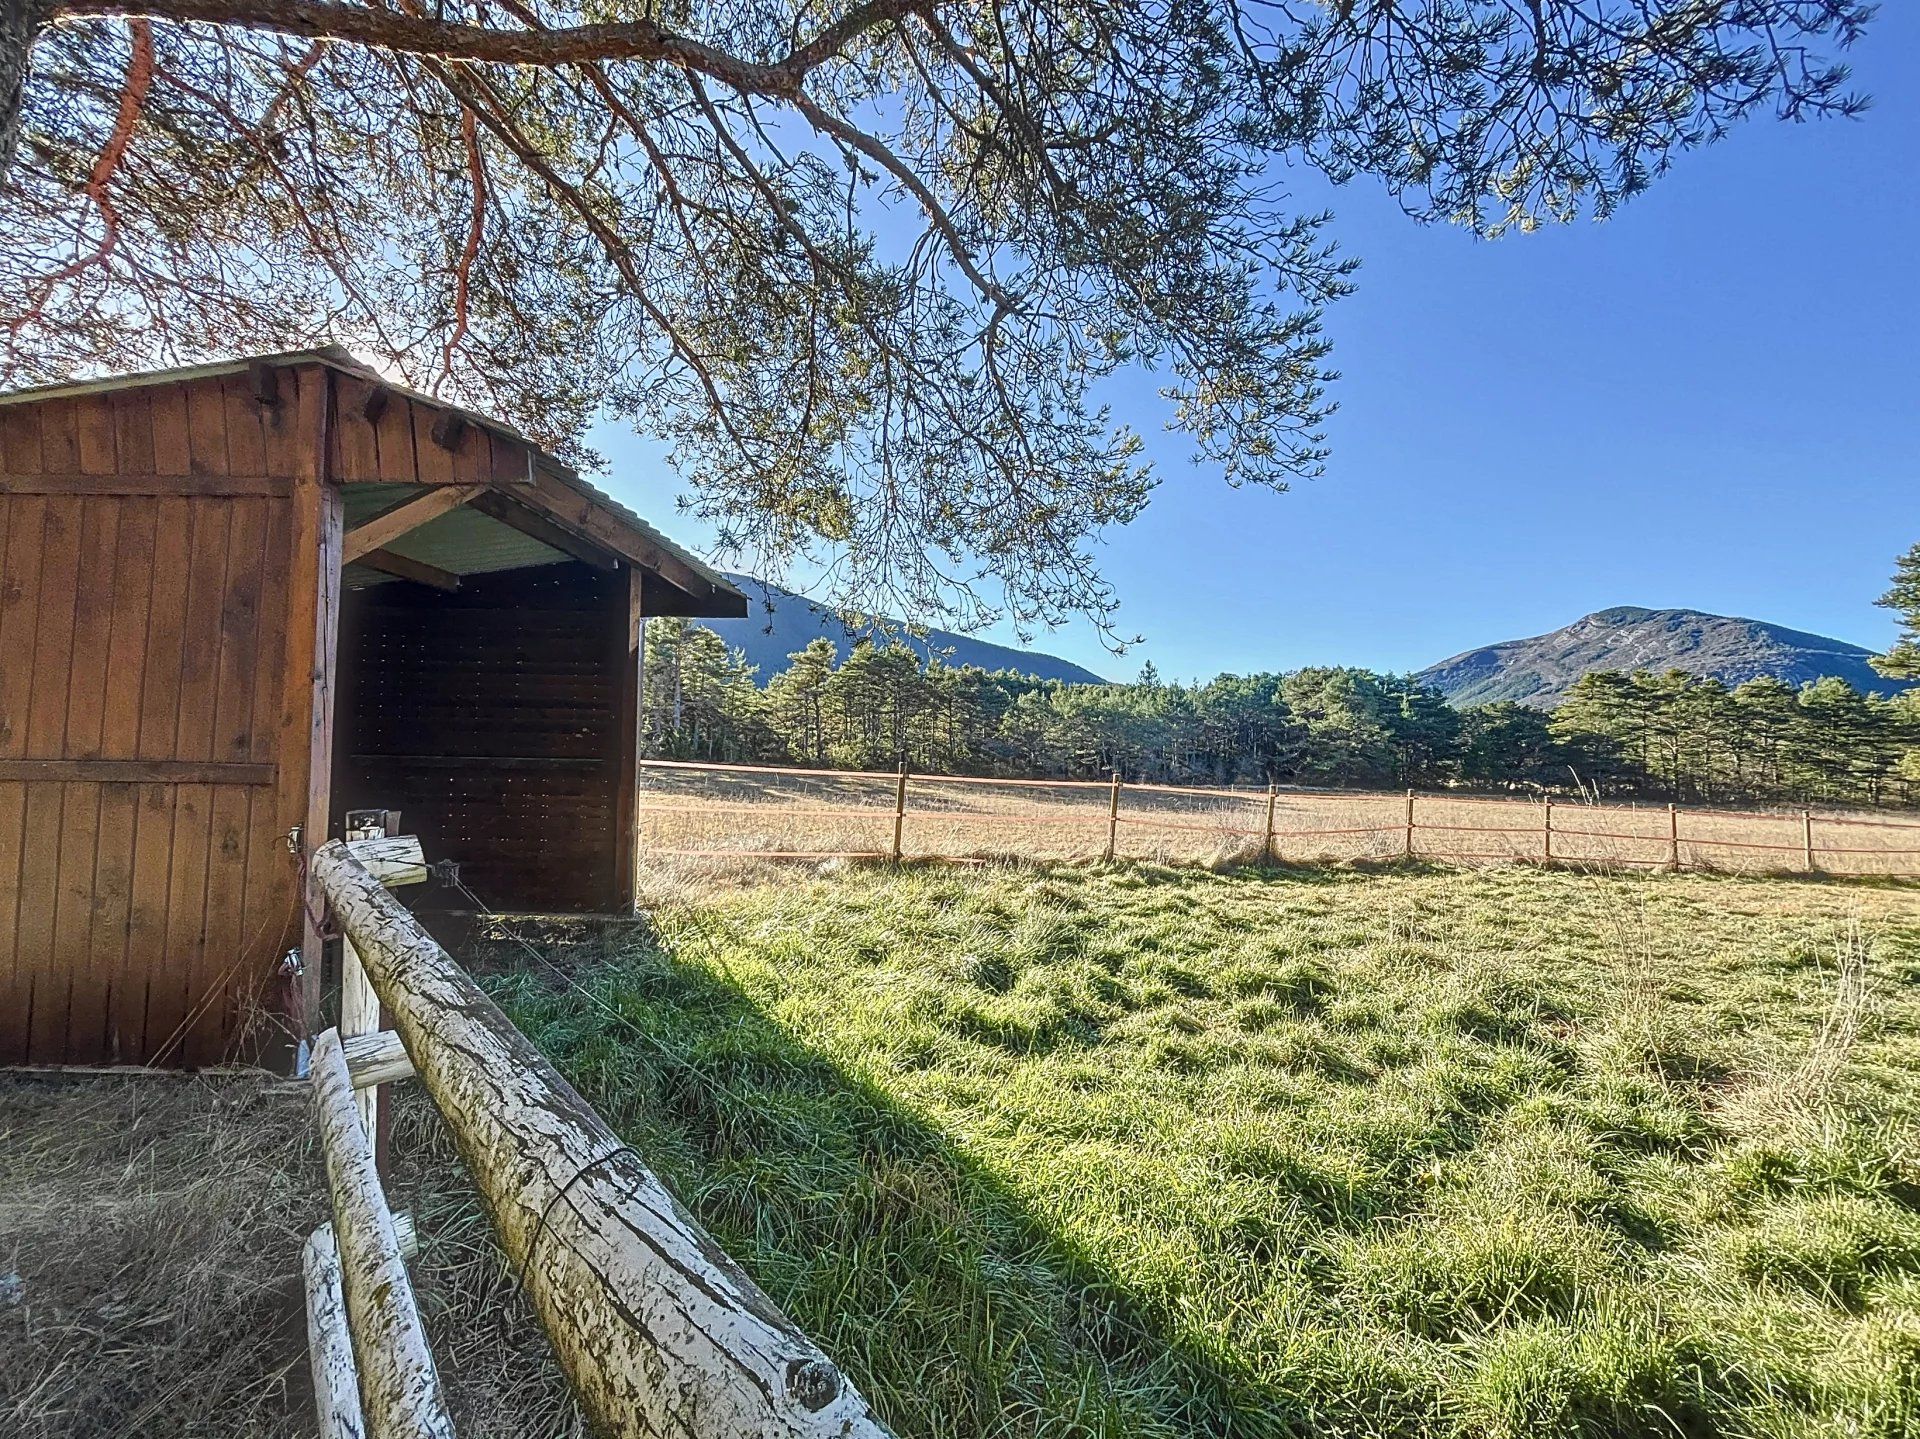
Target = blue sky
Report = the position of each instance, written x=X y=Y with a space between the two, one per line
x=1712 y=401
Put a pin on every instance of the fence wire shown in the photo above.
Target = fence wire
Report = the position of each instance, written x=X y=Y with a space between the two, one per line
x=717 y=812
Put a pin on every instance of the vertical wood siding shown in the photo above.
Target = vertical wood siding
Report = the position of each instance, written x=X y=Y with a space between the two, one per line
x=145 y=539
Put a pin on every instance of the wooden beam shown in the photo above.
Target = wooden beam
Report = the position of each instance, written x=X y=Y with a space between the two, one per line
x=399 y=1389
x=134 y=483
x=387 y=526
x=135 y=771
x=336 y=1380
x=376 y=1058
x=509 y=511
x=590 y=517
x=657 y=1330
x=402 y=568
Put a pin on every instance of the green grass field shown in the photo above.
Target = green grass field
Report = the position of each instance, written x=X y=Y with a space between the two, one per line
x=1155 y=1152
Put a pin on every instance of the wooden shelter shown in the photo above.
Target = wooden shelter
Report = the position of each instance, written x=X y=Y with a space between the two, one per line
x=239 y=599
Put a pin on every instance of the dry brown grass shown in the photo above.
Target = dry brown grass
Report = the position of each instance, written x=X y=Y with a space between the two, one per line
x=499 y=1375
x=150 y=1229
x=704 y=813
x=150 y=1233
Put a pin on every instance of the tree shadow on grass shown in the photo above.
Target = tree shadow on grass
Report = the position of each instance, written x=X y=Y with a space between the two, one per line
x=950 y=1304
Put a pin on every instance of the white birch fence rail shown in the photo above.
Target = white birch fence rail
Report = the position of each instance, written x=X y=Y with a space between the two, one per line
x=657 y=1330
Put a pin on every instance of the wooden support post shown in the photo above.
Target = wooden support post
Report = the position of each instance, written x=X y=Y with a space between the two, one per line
x=899 y=810
x=399 y=1390
x=1406 y=850
x=306 y=702
x=1673 y=837
x=657 y=1330
x=1266 y=848
x=1113 y=818
x=336 y=1382
x=1548 y=833
x=629 y=659
x=392 y=860
x=1806 y=838
x=359 y=1016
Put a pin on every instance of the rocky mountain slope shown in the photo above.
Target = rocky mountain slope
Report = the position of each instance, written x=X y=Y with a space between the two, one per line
x=1540 y=670
x=796 y=621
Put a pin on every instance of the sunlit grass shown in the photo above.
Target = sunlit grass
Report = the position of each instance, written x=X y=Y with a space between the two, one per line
x=1144 y=1152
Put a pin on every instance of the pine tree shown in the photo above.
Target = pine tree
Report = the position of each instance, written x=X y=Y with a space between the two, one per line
x=1902 y=662
x=796 y=700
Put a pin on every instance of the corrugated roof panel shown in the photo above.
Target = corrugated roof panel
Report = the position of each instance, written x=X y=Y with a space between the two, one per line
x=462 y=541
x=363 y=502
x=470 y=543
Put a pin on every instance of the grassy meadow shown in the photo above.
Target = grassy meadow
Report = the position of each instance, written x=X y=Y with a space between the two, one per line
x=1139 y=1151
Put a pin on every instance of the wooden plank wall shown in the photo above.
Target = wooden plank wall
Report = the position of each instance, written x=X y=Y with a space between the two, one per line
x=379 y=434
x=490 y=718
x=145 y=891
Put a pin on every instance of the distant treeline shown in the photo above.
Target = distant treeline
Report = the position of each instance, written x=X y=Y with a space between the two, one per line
x=1657 y=736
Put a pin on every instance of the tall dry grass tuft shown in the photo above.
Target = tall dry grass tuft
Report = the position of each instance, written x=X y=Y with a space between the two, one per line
x=1797 y=1098
x=1846 y=1017
x=1642 y=1026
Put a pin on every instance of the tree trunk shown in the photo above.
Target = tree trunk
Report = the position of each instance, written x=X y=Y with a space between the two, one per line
x=20 y=22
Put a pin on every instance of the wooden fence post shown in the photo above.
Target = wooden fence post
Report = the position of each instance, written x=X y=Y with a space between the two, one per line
x=1673 y=837
x=1273 y=793
x=1806 y=837
x=1113 y=818
x=360 y=1015
x=394 y=860
x=1406 y=851
x=1549 y=830
x=899 y=810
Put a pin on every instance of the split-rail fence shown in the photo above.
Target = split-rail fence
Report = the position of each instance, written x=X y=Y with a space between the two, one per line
x=657 y=1330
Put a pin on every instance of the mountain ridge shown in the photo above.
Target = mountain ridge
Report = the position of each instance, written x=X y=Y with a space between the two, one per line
x=1540 y=669
x=782 y=622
